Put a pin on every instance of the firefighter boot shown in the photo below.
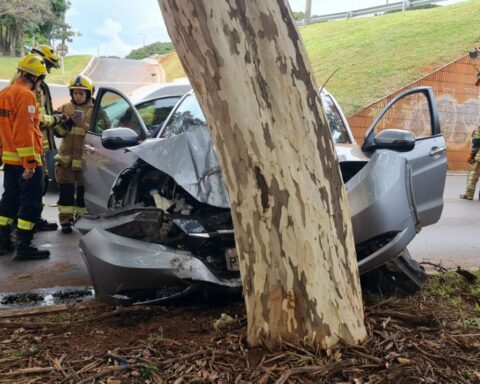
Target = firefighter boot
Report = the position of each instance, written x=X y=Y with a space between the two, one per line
x=25 y=250
x=45 y=225
x=6 y=245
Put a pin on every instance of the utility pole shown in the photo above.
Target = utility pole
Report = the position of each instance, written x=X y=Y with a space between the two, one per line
x=308 y=12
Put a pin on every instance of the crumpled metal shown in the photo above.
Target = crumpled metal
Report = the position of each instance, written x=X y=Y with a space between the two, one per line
x=190 y=159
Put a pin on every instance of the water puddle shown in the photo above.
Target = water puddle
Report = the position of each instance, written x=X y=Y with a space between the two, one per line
x=46 y=296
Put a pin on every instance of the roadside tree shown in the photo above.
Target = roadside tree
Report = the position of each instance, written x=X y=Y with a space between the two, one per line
x=250 y=71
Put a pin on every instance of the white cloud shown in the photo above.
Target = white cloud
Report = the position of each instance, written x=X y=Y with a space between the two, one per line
x=112 y=43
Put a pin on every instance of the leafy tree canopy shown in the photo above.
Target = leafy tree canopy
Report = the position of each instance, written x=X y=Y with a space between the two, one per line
x=27 y=22
x=157 y=48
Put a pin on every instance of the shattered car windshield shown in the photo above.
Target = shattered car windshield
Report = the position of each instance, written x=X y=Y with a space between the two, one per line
x=189 y=115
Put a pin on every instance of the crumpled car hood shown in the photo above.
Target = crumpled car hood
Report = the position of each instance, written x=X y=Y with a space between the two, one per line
x=190 y=159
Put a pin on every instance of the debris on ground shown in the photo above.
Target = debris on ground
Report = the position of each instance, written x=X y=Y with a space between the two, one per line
x=431 y=337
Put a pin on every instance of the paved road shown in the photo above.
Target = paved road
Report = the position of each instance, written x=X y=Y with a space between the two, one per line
x=454 y=240
x=126 y=75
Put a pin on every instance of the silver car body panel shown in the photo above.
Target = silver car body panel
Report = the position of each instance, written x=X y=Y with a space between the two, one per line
x=101 y=166
x=391 y=197
x=116 y=266
x=133 y=264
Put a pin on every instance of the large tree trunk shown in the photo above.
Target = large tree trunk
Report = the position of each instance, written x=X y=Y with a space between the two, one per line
x=293 y=232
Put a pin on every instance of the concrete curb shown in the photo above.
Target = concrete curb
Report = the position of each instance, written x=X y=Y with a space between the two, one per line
x=88 y=67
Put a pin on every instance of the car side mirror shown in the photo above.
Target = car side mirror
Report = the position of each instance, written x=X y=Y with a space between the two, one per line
x=394 y=139
x=116 y=138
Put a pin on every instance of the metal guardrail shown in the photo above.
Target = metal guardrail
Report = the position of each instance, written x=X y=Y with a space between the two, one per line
x=397 y=6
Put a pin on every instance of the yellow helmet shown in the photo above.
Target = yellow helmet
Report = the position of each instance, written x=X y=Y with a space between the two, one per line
x=48 y=54
x=33 y=64
x=82 y=82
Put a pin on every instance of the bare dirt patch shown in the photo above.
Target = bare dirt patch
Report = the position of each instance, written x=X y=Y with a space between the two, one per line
x=432 y=337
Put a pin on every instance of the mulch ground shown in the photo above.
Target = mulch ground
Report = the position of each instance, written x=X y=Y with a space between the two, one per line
x=431 y=337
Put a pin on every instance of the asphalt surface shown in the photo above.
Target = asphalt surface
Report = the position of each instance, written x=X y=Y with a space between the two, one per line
x=125 y=75
x=454 y=240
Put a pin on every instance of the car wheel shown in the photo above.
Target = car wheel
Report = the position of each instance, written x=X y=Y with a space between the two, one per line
x=402 y=273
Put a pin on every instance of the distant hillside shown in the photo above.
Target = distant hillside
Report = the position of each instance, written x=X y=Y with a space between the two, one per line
x=377 y=55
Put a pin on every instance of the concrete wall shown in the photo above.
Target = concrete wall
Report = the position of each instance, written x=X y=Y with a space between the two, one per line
x=458 y=101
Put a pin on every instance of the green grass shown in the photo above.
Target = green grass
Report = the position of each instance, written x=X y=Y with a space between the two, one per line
x=172 y=67
x=73 y=65
x=377 y=55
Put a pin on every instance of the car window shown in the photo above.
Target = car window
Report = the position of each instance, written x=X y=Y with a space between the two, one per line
x=186 y=117
x=189 y=115
x=155 y=112
x=118 y=113
x=337 y=126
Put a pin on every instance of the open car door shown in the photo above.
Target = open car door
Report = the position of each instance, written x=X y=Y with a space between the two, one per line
x=101 y=165
x=415 y=111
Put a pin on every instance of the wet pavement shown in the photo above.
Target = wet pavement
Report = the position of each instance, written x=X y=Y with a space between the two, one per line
x=65 y=267
x=455 y=239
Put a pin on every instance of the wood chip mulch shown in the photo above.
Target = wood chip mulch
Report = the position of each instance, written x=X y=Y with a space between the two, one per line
x=415 y=339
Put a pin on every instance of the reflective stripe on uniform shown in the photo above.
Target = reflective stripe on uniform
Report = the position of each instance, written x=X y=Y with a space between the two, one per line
x=10 y=156
x=76 y=164
x=38 y=159
x=61 y=131
x=26 y=151
x=77 y=131
x=63 y=159
x=46 y=144
x=25 y=225
x=80 y=210
x=48 y=120
x=4 y=221
x=66 y=209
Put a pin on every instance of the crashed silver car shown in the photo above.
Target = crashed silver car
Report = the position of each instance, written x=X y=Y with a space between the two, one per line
x=169 y=232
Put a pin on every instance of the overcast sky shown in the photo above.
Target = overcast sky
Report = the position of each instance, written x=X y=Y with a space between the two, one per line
x=115 y=27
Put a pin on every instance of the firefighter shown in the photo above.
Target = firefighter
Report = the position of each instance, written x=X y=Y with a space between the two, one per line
x=474 y=160
x=68 y=162
x=21 y=155
x=48 y=119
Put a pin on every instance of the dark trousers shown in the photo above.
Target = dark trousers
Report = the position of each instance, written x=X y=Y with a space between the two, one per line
x=70 y=201
x=21 y=198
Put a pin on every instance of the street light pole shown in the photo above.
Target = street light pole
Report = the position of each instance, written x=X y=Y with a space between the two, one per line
x=308 y=12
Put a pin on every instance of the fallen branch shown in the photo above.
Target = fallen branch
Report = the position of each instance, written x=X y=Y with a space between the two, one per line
x=106 y=371
x=103 y=316
x=28 y=371
x=314 y=370
x=406 y=317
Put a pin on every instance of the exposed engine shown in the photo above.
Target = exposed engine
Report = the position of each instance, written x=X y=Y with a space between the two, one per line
x=165 y=213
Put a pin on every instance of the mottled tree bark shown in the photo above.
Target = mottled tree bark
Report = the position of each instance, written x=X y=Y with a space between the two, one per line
x=251 y=74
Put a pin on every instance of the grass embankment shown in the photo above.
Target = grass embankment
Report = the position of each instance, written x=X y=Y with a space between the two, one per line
x=172 y=66
x=72 y=66
x=378 y=55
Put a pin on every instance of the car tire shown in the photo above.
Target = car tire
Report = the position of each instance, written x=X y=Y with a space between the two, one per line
x=401 y=274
